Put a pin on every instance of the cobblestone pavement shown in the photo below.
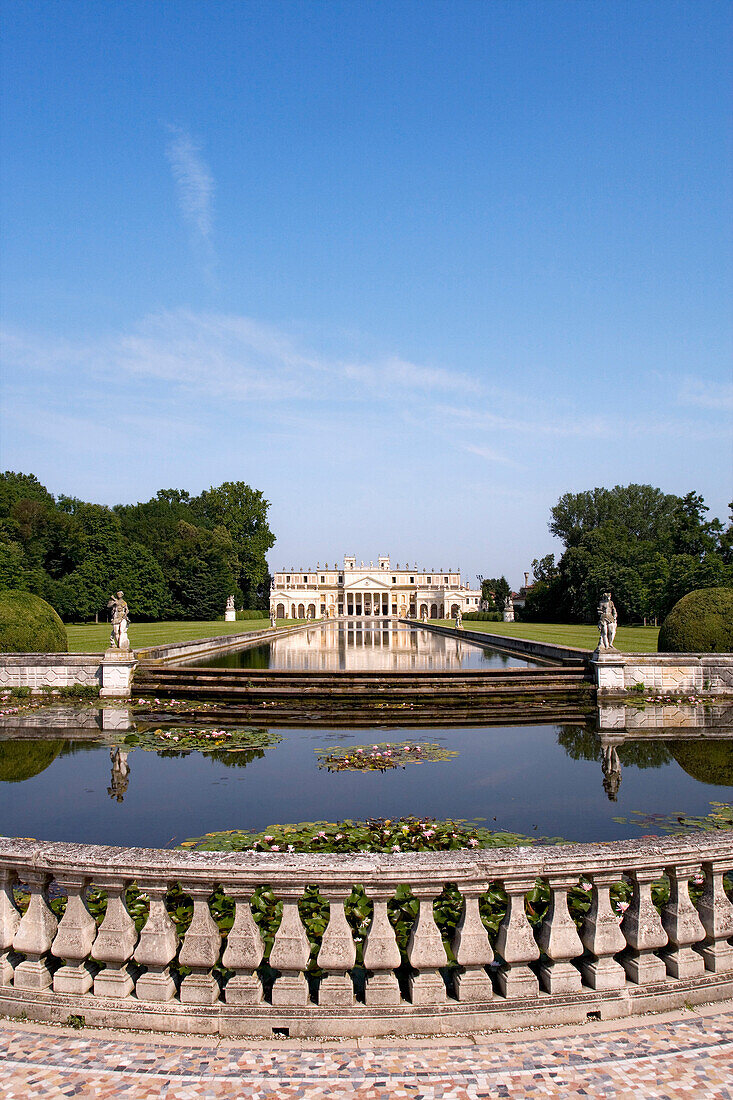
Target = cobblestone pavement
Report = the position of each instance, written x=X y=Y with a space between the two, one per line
x=687 y=1056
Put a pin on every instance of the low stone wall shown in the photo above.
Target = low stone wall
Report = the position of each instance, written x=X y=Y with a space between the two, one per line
x=186 y=652
x=543 y=652
x=440 y=982
x=50 y=670
x=680 y=673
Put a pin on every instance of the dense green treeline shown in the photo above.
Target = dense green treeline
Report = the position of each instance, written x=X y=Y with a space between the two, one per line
x=648 y=547
x=175 y=556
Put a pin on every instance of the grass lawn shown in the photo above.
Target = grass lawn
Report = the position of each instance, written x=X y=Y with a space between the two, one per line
x=94 y=637
x=629 y=639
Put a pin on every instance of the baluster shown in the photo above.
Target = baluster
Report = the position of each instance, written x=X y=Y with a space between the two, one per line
x=558 y=939
x=155 y=949
x=290 y=954
x=602 y=937
x=472 y=949
x=643 y=932
x=516 y=944
x=338 y=952
x=243 y=953
x=34 y=935
x=682 y=925
x=426 y=952
x=9 y=921
x=74 y=939
x=716 y=914
x=381 y=954
x=200 y=950
x=114 y=945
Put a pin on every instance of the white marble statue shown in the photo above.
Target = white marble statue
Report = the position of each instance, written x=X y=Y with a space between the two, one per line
x=273 y=617
x=508 y=613
x=459 y=619
x=230 y=614
x=120 y=619
x=607 y=621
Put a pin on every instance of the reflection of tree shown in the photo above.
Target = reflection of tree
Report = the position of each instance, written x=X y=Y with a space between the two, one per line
x=21 y=760
x=644 y=754
x=232 y=758
x=707 y=761
x=236 y=759
x=581 y=743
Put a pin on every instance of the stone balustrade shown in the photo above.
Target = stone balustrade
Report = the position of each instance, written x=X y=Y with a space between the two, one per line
x=586 y=960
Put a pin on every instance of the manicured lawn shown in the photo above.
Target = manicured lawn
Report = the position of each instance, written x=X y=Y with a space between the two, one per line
x=629 y=639
x=94 y=637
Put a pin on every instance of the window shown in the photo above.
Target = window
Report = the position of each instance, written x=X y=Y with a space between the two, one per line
x=445 y=580
x=394 y=580
x=430 y=580
x=412 y=580
x=323 y=580
x=287 y=579
x=305 y=580
x=341 y=578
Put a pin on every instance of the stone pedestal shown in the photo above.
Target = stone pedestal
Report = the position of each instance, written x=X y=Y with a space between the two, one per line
x=230 y=615
x=118 y=666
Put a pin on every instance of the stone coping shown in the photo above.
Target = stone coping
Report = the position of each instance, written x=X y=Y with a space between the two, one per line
x=100 y=861
x=542 y=651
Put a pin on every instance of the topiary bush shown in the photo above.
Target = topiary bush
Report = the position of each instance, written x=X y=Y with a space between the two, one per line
x=701 y=622
x=483 y=616
x=29 y=625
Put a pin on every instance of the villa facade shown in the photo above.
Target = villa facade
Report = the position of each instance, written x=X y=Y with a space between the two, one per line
x=369 y=591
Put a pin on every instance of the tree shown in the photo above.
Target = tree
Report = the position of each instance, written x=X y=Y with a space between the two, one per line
x=495 y=590
x=242 y=511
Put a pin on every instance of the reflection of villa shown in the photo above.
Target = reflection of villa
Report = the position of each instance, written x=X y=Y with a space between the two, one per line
x=381 y=591
x=355 y=646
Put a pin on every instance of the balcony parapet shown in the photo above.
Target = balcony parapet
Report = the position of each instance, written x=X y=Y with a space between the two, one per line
x=438 y=981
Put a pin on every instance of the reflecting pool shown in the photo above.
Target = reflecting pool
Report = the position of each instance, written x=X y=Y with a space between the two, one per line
x=569 y=780
x=367 y=645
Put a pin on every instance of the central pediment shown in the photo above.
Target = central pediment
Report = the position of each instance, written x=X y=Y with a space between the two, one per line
x=367 y=580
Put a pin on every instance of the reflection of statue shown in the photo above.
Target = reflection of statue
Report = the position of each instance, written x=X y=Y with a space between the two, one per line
x=120 y=774
x=120 y=620
x=607 y=621
x=611 y=766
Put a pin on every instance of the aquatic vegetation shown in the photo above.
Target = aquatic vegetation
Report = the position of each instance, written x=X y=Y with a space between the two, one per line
x=720 y=817
x=404 y=834
x=187 y=738
x=382 y=757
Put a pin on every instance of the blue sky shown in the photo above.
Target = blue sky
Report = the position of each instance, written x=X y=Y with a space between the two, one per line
x=412 y=269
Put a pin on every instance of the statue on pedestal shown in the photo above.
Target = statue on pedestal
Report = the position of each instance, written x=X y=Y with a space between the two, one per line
x=120 y=619
x=459 y=619
x=230 y=614
x=273 y=617
x=607 y=621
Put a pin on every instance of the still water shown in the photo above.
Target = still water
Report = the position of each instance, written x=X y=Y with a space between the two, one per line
x=366 y=645
x=535 y=779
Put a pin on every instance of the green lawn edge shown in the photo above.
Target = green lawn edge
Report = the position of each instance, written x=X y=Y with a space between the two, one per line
x=94 y=637
x=629 y=639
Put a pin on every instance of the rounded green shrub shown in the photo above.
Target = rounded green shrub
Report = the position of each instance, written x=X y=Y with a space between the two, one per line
x=701 y=622
x=29 y=625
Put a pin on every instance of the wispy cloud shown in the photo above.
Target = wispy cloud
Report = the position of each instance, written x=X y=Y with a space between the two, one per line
x=489 y=454
x=227 y=355
x=706 y=395
x=194 y=188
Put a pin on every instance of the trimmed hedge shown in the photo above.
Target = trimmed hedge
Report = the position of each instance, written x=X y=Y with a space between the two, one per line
x=701 y=622
x=483 y=616
x=29 y=625
x=253 y=615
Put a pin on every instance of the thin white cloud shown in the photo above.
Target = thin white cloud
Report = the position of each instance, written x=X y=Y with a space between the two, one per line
x=706 y=395
x=236 y=357
x=489 y=454
x=194 y=187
